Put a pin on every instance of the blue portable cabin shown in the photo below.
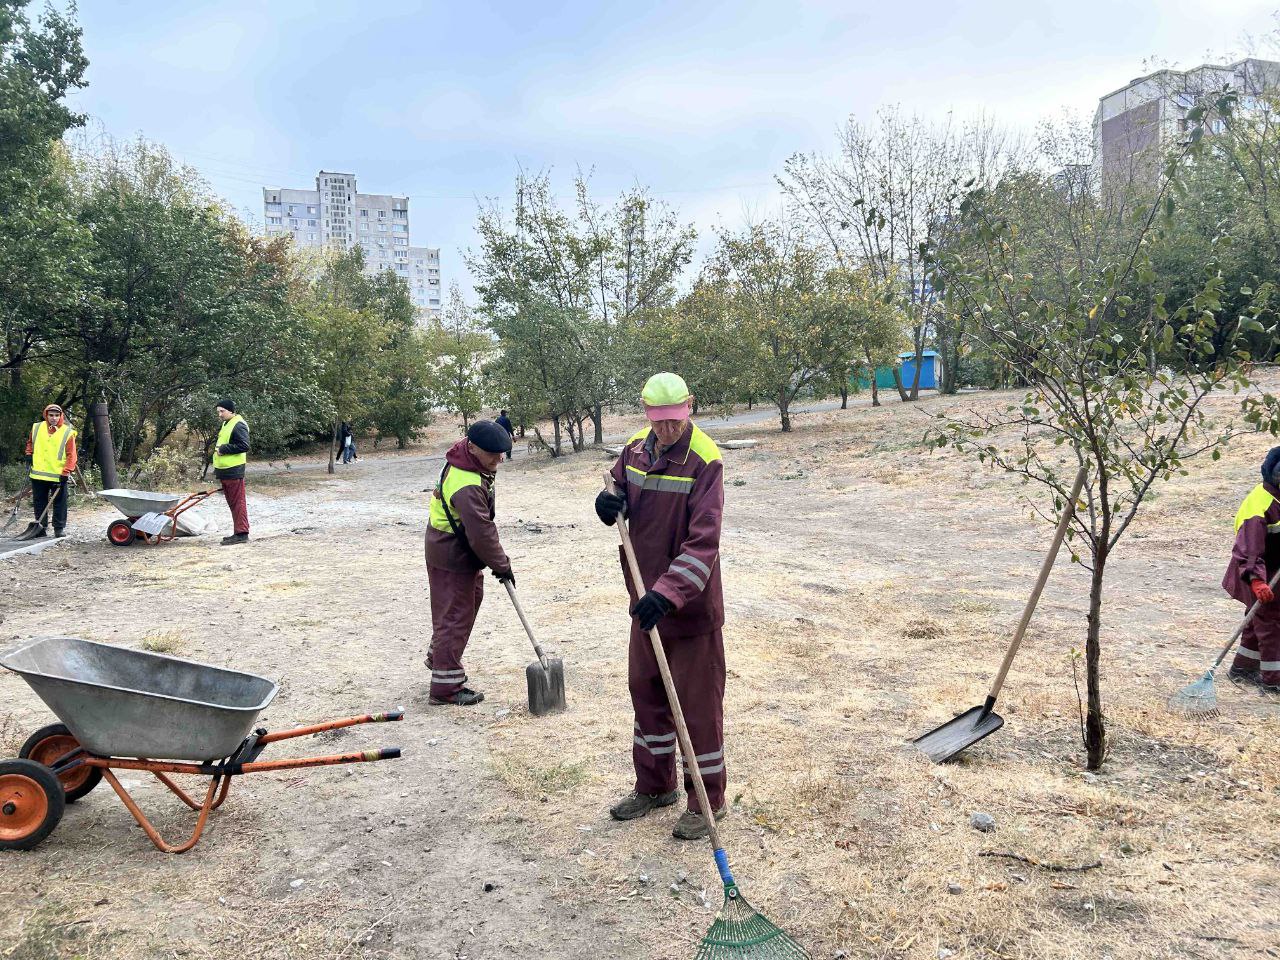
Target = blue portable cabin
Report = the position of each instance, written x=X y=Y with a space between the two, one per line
x=930 y=369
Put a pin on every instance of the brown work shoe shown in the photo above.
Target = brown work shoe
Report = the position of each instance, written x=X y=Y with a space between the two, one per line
x=466 y=697
x=635 y=805
x=693 y=826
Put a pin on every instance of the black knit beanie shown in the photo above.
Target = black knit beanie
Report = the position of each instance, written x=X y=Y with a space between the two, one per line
x=1270 y=465
x=228 y=405
x=489 y=437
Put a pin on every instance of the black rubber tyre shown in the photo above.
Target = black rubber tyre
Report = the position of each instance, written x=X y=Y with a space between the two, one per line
x=31 y=803
x=120 y=533
x=47 y=745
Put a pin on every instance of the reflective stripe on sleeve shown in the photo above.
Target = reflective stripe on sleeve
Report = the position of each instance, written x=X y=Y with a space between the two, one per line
x=1248 y=654
x=689 y=575
x=695 y=562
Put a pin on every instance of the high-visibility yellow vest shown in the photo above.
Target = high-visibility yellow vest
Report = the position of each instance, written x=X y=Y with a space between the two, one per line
x=49 y=450
x=452 y=479
x=221 y=461
x=1256 y=504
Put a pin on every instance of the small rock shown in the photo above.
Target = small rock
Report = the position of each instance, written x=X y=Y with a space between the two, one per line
x=943 y=953
x=490 y=887
x=954 y=888
x=675 y=888
x=501 y=714
x=839 y=955
x=296 y=884
x=983 y=822
x=644 y=878
x=1089 y=777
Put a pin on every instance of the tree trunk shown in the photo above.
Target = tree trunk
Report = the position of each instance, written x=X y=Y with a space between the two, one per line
x=897 y=382
x=597 y=418
x=875 y=388
x=1095 y=734
x=784 y=409
x=555 y=437
x=751 y=402
x=844 y=395
x=915 y=380
x=333 y=444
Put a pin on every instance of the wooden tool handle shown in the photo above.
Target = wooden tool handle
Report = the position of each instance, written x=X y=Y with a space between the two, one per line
x=1068 y=511
x=515 y=602
x=1248 y=618
x=682 y=729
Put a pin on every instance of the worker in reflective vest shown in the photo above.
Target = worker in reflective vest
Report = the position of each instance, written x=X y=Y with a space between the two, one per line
x=461 y=541
x=671 y=480
x=1255 y=558
x=52 y=449
x=230 y=454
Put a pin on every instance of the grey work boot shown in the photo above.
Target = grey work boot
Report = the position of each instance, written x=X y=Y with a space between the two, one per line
x=693 y=826
x=635 y=805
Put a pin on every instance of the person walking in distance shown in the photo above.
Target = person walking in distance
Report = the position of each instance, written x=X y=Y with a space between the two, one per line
x=52 y=449
x=505 y=423
x=671 y=482
x=230 y=454
x=462 y=540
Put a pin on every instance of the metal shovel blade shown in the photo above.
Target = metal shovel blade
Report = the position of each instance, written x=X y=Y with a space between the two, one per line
x=546 y=687
x=946 y=741
x=153 y=524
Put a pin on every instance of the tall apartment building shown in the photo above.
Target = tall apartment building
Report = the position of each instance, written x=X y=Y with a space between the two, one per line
x=1133 y=125
x=336 y=216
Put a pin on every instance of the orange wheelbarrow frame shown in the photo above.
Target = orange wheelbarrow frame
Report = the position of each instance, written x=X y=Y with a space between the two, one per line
x=220 y=773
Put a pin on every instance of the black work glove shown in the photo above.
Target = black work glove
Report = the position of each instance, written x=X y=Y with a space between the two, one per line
x=505 y=575
x=652 y=607
x=609 y=506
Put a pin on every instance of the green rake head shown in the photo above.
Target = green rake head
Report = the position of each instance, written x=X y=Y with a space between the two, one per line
x=741 y=933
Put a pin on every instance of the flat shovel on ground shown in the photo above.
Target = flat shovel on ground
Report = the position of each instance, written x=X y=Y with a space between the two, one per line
x=946 y=741
x=36 y=528
x=545 y=676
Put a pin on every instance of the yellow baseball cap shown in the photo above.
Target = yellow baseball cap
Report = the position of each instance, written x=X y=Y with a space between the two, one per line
x=666 y=397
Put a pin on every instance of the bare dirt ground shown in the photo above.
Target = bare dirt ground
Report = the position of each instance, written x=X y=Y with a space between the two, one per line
x=871 y=588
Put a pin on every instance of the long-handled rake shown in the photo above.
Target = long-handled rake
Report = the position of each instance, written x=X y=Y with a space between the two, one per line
x=1199 y=700
x=739 y=932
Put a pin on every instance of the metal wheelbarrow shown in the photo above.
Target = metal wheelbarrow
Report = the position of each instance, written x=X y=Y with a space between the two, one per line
x=126 y=709
x=155 y=517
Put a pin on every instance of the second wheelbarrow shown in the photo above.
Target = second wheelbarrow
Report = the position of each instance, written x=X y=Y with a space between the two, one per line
x=155 y=517
x=124 y=709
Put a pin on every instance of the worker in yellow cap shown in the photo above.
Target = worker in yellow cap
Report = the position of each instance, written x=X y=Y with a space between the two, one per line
x=672 y=492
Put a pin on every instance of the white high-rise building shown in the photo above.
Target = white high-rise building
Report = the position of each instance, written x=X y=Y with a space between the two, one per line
x=336 y=216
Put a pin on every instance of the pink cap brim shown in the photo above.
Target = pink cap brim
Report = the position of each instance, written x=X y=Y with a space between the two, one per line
x=672 y=411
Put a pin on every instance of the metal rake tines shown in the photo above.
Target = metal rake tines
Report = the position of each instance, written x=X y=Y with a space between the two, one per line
x=742 y=933
x=1199 y=699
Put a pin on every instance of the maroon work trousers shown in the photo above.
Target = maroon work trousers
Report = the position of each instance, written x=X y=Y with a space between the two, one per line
x=697 y=667
x=455 y=601
x=233 y=490
x=1260 y=644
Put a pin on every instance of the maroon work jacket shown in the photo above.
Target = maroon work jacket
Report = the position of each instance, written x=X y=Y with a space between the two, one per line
x=1256 y=553
x=675 y=503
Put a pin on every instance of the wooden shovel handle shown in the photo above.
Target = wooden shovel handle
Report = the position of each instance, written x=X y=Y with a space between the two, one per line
x=682 y=729
x=1068 y=511
x=515 y=602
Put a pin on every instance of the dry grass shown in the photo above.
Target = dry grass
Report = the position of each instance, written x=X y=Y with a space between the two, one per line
x=164 y=641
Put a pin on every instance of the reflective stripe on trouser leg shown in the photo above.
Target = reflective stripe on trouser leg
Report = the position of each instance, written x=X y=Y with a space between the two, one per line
x=455 y=601
x=1266 y=631
x=697 y=666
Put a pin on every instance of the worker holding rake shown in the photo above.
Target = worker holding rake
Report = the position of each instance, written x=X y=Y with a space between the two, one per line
x=671 y=482
x=1254 y=560
x=462 y=540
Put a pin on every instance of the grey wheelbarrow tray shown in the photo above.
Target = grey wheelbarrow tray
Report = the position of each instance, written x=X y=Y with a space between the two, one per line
x=136 y=504
x=129 y=709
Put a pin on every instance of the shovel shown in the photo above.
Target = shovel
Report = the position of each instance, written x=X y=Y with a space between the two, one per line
x=13 y=514
x=36 y=528
x=545 y=676
x=973 y=725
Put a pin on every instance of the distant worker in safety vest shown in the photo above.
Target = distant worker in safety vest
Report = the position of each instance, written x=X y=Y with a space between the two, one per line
x=1255 y=558
x=52 y=449
x=671 y=480
x=461 y=541
x=230 y=454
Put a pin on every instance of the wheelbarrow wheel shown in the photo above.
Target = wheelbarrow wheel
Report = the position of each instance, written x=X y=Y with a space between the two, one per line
x=49 y=744
x=121 y=533
x=31 y=803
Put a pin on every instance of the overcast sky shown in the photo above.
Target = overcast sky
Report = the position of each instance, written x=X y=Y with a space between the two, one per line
x=702 y=101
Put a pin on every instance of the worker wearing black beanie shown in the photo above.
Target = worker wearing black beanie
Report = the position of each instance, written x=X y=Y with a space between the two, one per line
x=1255 y=559
x=461 y=541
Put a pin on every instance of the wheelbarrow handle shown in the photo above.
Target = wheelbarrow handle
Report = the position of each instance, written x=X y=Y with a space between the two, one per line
x=385 y=717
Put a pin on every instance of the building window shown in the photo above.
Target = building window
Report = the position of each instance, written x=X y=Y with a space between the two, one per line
x=293 y=223
x=311 y=223
x=364 y=213
x=311 y=209
x=382 y=228
x=273 y=219
x=382 y=214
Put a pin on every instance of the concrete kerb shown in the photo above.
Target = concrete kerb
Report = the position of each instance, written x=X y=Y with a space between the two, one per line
x=39 y=546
